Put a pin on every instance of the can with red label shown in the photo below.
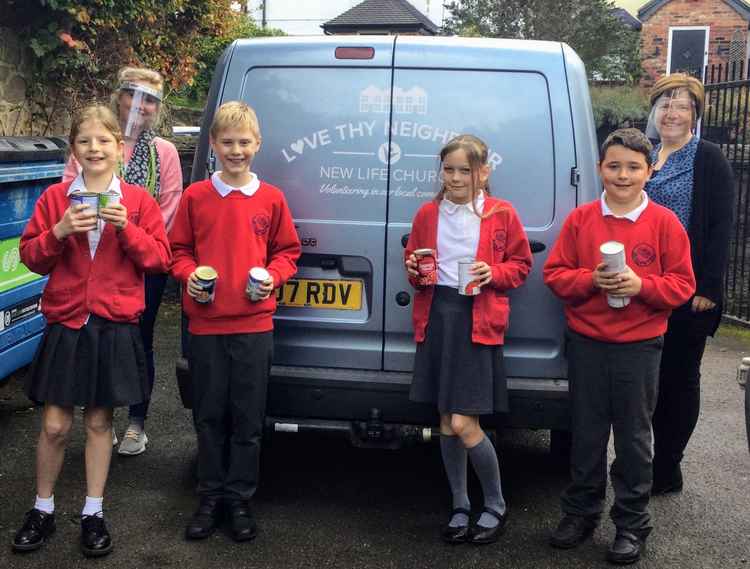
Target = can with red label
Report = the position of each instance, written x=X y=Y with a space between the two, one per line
x=426 y=266
x=468 y=284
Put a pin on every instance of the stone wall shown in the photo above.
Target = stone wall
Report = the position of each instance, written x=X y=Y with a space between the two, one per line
x=15 y=109
x=722 y=19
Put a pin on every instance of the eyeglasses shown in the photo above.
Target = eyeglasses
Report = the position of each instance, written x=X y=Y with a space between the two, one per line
x=680 y=107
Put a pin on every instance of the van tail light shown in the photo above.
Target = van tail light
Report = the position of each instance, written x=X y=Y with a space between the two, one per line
x=355 y=52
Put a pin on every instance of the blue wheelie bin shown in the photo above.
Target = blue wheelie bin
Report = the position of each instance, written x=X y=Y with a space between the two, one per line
x=27 y=166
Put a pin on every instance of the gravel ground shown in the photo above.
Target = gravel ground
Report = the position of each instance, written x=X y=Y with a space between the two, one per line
x=325 y=504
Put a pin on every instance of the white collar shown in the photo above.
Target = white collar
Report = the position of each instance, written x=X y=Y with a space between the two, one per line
x=224 y=189
x=450 y=207
x=78 y=185
x=632 y=215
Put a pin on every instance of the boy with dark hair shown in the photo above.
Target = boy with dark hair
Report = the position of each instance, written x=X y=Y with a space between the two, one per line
x=231 y=223
x=614 y=353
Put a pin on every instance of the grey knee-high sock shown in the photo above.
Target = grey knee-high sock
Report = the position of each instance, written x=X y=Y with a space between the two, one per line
x=454 y=460
x=484 y=461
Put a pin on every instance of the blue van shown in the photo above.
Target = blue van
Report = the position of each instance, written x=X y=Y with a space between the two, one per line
x=351 y=128
x=27 y=166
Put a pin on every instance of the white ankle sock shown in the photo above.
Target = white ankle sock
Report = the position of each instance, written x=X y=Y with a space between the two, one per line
x=93 y=507
x=46 y=505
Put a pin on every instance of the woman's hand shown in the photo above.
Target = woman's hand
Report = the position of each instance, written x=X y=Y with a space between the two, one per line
x=701 y=304
x=411 y=265
x=482 y=271
x=116 y=215
x=78 y=218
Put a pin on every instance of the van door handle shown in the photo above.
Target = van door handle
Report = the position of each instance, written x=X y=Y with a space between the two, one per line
x=405 y=240
x=537 y=246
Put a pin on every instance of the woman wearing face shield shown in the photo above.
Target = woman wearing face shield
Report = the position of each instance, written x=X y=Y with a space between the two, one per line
x=693 y=179
x=153 y=163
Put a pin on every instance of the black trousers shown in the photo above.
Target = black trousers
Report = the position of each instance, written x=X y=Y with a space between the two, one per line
x=678 y=405
x=230 y=378
x=154 y=290
x=612 y=386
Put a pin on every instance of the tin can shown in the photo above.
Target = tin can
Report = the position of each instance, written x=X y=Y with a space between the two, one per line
x=742 y=372
x=256 y=277
x=107 y=199
x=89 y=199
x=468 y=285
x=426 y=266
x=207 y=281
x=613 y=255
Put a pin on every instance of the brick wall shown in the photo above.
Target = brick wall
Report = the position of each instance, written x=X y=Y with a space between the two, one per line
x=719 y=16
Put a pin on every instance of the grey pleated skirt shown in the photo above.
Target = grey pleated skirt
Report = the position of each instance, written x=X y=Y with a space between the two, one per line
x=101 y=365
x=450 y=370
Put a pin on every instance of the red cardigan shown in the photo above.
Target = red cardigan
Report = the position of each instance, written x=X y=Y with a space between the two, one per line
x=656 y=248
x=111 y=284
x=502 y=245
x=233 y=234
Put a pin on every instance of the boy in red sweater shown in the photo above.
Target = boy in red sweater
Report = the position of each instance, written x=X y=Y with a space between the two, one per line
x=614 y=353
x=232 y=222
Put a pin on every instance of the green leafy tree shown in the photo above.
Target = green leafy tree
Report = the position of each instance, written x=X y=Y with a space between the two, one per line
x=78 y=45
x=603 y=42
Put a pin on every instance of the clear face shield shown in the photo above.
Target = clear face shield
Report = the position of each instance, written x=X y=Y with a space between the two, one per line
x=672 y=116
x=139 y=107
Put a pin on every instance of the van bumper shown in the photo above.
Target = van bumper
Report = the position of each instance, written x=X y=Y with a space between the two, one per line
x=296 y=393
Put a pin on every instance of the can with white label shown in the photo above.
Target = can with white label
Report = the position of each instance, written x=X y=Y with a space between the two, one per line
x=613 y=255
x=256 y=277
x=89 y=199
x=207 y=281
x=468 y=284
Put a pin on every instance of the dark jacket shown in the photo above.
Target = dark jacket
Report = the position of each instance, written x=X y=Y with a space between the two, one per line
x=709 y=231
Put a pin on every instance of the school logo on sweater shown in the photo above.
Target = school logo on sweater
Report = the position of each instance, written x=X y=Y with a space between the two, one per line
x=261 y=223
x=643 y=254
x=498 y=240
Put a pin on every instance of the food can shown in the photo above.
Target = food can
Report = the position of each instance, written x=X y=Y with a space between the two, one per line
x=742 y=371
x=256 y=277
x=107 y=199
x=89 y=199
x=613 y=255
x=207 y=281
x=468 y=285
x=426 y=266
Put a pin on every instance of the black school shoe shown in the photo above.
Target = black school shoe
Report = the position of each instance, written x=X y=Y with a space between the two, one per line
x=206 y=518
x=626 y=548
x=37 y=527
x=95 y=539
x=572 y=531
x=481 y=535
x=456 y=534
x=241 y=521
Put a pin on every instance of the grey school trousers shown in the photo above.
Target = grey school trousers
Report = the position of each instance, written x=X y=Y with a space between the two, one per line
x=612 y=386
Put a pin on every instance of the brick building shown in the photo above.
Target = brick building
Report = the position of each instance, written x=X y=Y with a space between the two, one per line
x=687 y=35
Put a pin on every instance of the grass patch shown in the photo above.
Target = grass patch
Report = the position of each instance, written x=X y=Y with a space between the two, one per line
x=740 y=333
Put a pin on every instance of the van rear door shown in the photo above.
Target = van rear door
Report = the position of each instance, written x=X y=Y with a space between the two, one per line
x=323 y=108
x=513 y=96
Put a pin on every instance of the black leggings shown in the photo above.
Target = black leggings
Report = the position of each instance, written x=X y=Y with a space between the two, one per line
x=678 y=405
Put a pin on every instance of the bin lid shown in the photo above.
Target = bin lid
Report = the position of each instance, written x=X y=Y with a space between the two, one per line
x=32 y=148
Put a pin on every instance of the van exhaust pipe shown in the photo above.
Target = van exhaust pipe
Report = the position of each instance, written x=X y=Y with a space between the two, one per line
x=373 y=433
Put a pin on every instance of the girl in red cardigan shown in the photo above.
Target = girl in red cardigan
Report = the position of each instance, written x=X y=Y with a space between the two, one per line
x=459 y=360
x=91 y=354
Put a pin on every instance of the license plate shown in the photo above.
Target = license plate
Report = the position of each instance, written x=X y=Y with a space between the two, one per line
x=321 y=293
